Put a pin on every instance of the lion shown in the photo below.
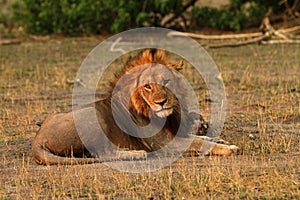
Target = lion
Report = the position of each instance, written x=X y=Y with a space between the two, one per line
x=145 y=97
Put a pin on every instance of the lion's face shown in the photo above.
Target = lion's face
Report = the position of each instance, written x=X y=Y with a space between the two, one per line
x=153 y=93
x=159 y=98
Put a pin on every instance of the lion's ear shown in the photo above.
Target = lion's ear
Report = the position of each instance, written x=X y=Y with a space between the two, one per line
x=179 y=65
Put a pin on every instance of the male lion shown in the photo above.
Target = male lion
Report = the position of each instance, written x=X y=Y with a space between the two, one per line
x=145 y=91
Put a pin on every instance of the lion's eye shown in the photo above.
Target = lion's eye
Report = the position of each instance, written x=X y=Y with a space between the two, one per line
x=165 y=82
x=147 y=87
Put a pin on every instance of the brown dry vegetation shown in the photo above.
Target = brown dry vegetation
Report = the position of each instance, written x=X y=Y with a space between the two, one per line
x=263 y=119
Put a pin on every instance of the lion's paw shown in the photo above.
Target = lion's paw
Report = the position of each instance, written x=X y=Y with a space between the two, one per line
x=234 y=149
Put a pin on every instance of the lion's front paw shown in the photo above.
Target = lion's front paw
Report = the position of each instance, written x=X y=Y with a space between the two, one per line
x=234 y=149
x=223 y=150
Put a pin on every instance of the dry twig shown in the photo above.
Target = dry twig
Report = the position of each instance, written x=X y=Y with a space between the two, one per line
x=268 y=35
x=10 y=41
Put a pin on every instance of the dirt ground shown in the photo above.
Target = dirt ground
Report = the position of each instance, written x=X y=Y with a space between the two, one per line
x=263 y=118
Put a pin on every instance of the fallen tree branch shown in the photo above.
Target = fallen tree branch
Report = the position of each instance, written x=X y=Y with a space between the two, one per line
x=281 y=42
x=10 y=41
x=230 y=36
x=267 y=35
x=251 y=41
x=215 y=37
x=289 y=30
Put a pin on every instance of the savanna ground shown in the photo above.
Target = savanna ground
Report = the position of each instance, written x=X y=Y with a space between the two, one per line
x=263 y=119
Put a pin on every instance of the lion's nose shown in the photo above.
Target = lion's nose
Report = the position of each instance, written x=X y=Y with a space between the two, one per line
x=161 y=101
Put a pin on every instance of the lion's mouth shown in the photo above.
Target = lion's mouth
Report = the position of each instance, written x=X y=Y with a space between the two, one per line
x=165 y=112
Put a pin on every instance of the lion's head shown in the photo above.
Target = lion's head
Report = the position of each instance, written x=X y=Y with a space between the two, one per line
x=150 y=83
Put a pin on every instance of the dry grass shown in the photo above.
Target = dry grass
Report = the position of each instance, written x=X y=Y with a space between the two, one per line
x=263 y=118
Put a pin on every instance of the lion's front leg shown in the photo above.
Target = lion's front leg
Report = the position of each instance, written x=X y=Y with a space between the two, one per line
x=131 y=154
x=122 y=155
x=203 y=146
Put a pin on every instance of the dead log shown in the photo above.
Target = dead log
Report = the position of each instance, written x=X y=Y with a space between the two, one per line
x=268 y=35
x=237 y=44
x=10 y=41
x=215 y=37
